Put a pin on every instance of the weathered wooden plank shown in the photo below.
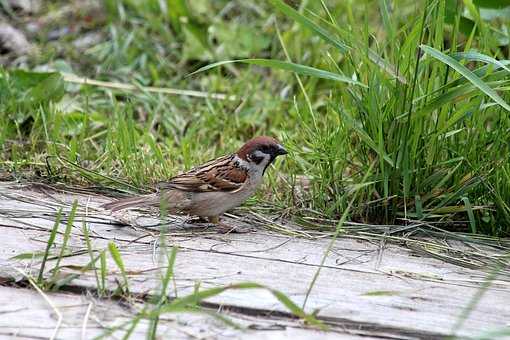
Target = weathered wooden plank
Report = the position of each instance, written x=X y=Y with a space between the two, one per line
x=26 y=314
x=347 y=253
x=360 y=288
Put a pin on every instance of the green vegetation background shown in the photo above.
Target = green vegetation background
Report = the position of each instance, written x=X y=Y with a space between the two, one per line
x=402 y=106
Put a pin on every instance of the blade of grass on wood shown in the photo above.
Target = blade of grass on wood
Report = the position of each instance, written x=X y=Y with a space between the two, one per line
x=198 y=296
x=67 y=234
x=114 y=252
x=50 y=242
x=93 y=260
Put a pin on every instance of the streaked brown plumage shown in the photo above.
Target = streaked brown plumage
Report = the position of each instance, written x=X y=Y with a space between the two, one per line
x=214 y=187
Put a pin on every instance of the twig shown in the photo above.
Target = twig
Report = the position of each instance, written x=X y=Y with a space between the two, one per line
x=47 y=299
x=165 y=90
x=85 y=320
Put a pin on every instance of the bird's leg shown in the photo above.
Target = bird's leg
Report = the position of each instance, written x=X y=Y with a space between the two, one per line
x=190 y=221
x=202 y=219
x=214 y=219
x=225 y=228
x=221 y=227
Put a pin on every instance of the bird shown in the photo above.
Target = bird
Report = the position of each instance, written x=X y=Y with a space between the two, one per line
x=211 y=189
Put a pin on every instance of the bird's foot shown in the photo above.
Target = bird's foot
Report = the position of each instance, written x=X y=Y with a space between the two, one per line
x=224 y=228
x=198 y=221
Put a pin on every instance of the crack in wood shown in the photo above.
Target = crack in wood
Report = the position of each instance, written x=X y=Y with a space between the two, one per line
x=335 y=324
x=352 y=296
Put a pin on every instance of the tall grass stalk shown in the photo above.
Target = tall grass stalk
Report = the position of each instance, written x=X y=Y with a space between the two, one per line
x=65 y=240
x=49 y=244
x=436 y=140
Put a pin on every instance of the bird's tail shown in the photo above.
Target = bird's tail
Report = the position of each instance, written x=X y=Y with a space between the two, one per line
x=132 y=202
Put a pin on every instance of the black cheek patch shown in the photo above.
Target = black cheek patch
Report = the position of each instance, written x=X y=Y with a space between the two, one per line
x=271 y=159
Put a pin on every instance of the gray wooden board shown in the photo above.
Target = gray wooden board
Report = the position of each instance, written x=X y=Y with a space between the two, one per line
x=26 y=314
x=365 y=287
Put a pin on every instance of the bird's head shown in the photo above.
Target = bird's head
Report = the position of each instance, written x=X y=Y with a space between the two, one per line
x=260 y=152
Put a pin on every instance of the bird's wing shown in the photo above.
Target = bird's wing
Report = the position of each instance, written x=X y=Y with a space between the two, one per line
x=221 y=174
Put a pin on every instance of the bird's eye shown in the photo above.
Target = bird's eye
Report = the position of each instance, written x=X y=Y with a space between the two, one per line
x=257 y=157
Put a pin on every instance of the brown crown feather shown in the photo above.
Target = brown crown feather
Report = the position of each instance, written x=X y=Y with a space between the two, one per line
x=255 y=144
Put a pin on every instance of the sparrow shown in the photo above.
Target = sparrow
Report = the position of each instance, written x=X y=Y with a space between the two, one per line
x=209 y=190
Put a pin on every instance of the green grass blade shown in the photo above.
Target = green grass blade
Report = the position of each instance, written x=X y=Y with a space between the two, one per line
x=162 y=298
x=168 y=274
x=50 y=242
x=308 y=24
x=418 y=206
x=477 y=297
x=386 y=66
x=102 y=261
x=192 y=299
x=28 y=256
x=295 y=309
x=471 y=215
x=131 y=328
x=385 y=10
x=454 y=95
x=477 y=56
x=464 y=71
x=350 y=122
x=67 y=234
x=93 y=260
x=114 y=252
x=196 y=297
x=287 y=66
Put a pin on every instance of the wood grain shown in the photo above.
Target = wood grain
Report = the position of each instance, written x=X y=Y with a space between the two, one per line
x=366 y=287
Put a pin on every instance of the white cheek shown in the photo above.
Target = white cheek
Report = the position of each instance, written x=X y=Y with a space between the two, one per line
x=241 y=162
x=257 y=170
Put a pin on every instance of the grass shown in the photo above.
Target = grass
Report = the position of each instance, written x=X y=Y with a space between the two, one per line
x=418 y=89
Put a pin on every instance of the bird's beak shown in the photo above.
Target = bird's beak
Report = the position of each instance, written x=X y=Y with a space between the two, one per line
x=281 y=151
